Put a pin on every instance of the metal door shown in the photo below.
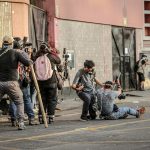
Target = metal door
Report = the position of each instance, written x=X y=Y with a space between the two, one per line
x=123 y=49
x=38 y=26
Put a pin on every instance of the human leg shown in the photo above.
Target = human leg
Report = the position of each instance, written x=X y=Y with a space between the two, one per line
x=51 y=103
x=141 y=81
x=13 y=113
x=124 y=111
x=86 y=98
x=13 y=90
x=92 y=112
x=33 y=94
x=43 y=96
x=28 y=105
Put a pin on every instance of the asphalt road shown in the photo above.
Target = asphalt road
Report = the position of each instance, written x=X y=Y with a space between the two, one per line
x=69 y=133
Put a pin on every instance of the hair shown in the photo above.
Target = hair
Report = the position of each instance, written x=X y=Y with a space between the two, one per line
x=43 y=50
x=89 y=64
x=16 y=45
x=143 y=55
x=108 y=85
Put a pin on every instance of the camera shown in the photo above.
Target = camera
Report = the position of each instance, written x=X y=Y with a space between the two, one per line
x=27 y=44
x=66 y=56
x=122 y=96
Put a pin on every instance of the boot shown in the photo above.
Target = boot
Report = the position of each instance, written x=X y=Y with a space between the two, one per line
x=32 y=122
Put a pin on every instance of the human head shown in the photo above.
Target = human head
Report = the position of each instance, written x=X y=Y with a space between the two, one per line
x=16 y=45
x=44 y=47
x=108 y=85
x=7 y=40
x=89 y=65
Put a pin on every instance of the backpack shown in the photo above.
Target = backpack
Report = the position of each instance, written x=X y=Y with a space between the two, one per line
x=43 y=68
x=136 y=67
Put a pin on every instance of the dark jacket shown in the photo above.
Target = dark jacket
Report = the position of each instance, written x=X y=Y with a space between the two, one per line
x=9 y=64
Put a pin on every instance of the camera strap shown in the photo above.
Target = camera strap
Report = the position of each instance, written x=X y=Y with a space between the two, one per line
x=4 y=52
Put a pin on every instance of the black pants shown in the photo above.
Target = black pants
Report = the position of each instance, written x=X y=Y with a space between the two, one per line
x=49 y=98
x=88 y=101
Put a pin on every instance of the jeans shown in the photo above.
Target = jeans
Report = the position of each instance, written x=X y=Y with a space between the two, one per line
x=123 y=111
x=12 y=89
x=88 y=101
x=27 y=105
x=33 y=94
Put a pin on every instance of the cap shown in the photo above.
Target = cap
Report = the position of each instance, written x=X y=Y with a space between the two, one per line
x=7 y=40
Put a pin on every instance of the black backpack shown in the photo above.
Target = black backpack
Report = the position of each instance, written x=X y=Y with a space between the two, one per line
x=136 y=67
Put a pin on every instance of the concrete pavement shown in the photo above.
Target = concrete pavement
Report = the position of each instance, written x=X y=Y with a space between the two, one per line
x=69 y=101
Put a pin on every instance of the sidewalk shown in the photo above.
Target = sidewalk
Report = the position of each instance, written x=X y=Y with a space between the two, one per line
x=69 y=100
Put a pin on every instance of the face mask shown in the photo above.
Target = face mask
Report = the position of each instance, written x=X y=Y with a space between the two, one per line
x=5 y=46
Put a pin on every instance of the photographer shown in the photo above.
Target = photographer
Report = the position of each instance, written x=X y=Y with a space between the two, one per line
x=106 y=103
x=84 y=85
x=45 y=64
x=24 y=81
x=141 y=71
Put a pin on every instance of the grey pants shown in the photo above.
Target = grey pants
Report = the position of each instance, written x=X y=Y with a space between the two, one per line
x=12 y=89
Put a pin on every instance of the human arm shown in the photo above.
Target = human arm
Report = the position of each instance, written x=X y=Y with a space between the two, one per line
x=23 y=58
x=76 y=85
x=119 y=89
x=54 y=58
x=98 y=82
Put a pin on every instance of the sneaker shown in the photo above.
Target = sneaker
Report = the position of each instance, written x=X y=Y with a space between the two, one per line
x=91 y=117
x=140 y=111
x=21 y=126
x=50 y=120
x=82 y=118
x=32 y=122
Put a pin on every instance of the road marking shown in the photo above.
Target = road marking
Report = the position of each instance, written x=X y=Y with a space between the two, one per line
x=135 y=102
x=8 y=148
x=75 y=131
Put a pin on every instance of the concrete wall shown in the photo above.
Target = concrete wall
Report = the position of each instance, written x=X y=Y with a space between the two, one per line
x=110 y=12
x=20 y=19
x=88 y=41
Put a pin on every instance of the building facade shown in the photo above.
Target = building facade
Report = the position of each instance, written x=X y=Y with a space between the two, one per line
x=107 y=31
x=14 y=18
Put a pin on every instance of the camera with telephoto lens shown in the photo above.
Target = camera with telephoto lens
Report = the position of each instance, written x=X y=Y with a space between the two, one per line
x=122 y=96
